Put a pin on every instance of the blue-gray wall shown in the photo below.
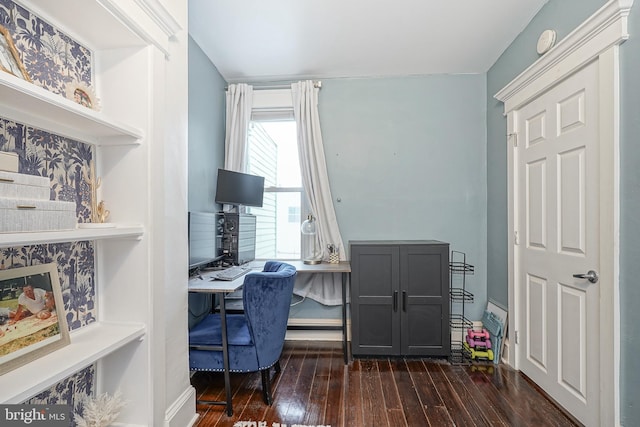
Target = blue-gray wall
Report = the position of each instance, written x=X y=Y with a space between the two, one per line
x=563 y=16
x=630 y=223
x=206 y=129
x=406 y=158
x=206 y=147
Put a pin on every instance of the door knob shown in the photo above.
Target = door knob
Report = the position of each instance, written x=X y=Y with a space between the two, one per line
x=591 y=276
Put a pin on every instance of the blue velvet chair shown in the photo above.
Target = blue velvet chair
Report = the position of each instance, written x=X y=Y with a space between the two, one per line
x=256 y=337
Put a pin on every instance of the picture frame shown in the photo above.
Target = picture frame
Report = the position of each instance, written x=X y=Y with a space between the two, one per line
x=24 y=335
x=82 y=94
x=9 y=58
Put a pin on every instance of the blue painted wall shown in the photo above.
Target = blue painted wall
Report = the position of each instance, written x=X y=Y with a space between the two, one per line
x=206 y=129
x=630 y=223
x=406 y=158
x=563 y=16
x=206 y=146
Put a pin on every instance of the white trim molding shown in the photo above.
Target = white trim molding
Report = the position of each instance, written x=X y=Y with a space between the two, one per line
x=182 y=411
x=148 y=19
x=605 y=28
x=160 y=16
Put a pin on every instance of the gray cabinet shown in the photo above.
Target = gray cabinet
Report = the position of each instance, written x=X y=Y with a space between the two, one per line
x=400 y=298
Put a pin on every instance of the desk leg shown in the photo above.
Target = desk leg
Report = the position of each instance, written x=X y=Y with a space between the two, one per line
x=225 y=355
x=345 y=347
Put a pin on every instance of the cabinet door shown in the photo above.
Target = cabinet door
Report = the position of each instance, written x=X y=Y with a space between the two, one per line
x=375 y=300
x=424 y=302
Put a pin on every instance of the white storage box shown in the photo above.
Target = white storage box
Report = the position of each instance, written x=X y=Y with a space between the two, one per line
x=8 y=161
x=36 y=215
x=23 y=186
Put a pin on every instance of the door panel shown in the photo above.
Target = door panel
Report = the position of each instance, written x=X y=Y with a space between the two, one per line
x=375 y=300
x=572 y=340
x=424 y=280
x=537 y=321
x=559 y=215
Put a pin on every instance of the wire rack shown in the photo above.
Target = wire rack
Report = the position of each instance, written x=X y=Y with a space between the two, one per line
x=459 y=296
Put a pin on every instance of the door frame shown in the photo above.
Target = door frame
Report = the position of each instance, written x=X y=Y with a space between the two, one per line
x=596 y=39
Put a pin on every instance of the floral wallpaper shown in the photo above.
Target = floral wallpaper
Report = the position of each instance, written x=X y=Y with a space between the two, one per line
x=69 y=391
x=53 y=60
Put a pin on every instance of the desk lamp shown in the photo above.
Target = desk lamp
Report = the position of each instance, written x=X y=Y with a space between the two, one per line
x=310 y=252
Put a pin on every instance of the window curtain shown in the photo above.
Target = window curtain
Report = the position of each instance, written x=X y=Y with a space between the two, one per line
x=326 y=289
x=239 y=104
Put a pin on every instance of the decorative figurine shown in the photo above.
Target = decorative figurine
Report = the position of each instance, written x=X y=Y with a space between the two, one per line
x=99 y=213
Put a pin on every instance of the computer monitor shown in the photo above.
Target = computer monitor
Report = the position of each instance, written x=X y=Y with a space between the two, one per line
x=204 y=247
x=236 y=188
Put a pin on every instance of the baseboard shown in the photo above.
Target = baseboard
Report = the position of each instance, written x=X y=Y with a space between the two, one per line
x=505 y=352
x=182 y=412
x=315 y=334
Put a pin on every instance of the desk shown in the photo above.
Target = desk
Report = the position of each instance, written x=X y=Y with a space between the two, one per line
x=343 y=267
x=204 y=284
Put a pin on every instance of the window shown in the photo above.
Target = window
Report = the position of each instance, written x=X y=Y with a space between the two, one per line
x=273 y=153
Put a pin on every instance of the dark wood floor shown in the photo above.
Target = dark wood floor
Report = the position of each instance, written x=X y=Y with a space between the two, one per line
x=316 y=388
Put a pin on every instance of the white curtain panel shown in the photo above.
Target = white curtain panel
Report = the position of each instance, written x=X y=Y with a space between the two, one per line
x=313 y=165
x=239 y=104
x=324 y=288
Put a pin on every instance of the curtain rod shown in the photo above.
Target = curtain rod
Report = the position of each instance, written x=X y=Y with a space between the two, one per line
x=317 y=84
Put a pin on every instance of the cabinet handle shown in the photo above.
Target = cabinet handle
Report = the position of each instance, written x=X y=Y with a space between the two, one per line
x=25 y=207
x=395 y=300
x=404 y=301
x=6 y=180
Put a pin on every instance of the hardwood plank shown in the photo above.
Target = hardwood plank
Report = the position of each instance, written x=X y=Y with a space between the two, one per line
x=456 y=408
x=485 y=378
x=413 y=408
x=396 y=418
x=300 y=400
x=475 y=401
x=315 y=387
x=532 y=404
x=389 y=389
x=318 y=396
x=353 y=396
x=374 y=412
x=288 y=380
x=425 y=388
x=334 y=415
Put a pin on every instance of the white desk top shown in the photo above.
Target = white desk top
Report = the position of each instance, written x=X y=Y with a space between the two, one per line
x=203 y=283
x=325 y=267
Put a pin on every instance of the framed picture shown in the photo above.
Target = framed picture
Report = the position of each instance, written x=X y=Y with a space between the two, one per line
x=32 y=317
x=9 y=58
x=83 y=95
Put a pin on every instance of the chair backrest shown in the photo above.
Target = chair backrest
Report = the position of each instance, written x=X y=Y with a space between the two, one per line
x=267 y=299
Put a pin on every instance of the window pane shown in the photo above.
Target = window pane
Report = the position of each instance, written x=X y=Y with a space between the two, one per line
x=276 y=236
x=273 y=146
x=273 y=153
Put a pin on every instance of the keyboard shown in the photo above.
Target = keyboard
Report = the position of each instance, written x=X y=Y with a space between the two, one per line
x=232 y=273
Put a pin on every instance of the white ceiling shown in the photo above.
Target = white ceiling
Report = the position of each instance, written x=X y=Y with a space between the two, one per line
x=271 y=40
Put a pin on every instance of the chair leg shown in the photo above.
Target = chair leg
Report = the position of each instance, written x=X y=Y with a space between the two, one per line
x=278 y=367
x=266 y=386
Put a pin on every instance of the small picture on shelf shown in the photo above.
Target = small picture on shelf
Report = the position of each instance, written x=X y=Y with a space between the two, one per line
x=82 y=94
x=32 y=319
x=9 y=58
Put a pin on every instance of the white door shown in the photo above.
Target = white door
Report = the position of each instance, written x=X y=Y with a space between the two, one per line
x=558 y=221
